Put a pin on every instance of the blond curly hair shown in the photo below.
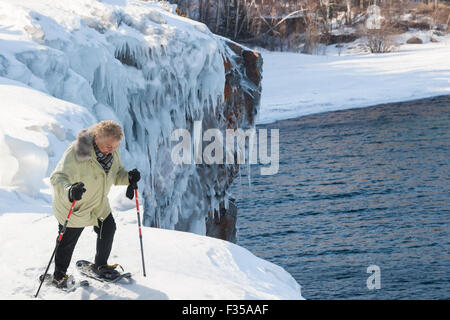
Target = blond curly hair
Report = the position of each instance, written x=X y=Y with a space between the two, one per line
x=107 y=129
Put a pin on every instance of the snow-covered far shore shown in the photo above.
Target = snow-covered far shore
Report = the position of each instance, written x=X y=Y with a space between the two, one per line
x=179 y=265
x=297 y=84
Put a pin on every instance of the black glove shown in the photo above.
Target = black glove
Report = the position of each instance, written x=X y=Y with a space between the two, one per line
x=133 y=176
x=76 y=191
x=130 y=191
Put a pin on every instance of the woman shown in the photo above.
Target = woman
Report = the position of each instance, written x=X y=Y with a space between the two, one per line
x=86 y=172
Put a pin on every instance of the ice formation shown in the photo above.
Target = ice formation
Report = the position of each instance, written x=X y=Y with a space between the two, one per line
x=134 y=62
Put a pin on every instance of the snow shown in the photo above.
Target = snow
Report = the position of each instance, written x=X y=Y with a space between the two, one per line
x=31 y=137
x=297 y=84
x=179 y=265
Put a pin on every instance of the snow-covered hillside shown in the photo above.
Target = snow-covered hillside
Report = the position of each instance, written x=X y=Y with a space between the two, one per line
x=179 y=265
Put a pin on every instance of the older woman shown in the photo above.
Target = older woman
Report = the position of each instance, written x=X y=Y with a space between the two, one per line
x=86 y=172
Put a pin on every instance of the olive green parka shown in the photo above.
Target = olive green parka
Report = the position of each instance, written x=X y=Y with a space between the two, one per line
x=79 y=164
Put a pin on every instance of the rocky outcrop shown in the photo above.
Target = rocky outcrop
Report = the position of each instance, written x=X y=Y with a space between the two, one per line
x=242 y=93
x=414 y=40
x=243 y=74
x=222 y=224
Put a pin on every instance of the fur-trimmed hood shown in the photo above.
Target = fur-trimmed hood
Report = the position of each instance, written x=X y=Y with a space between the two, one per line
x=83 y=145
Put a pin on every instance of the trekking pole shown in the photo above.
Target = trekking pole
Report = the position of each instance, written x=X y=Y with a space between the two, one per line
x=140 y=231
x=56 y=247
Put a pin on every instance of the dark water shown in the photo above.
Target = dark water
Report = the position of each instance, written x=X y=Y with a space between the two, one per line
x=356 y=188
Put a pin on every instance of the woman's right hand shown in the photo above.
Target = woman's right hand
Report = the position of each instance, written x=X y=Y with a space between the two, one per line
x=76 y=191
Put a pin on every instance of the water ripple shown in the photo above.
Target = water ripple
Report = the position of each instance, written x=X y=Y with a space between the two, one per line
x=357 y=187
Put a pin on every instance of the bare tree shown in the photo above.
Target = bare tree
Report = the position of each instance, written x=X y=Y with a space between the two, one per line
x=312 y=22
x=236 y=21
x=348 y=15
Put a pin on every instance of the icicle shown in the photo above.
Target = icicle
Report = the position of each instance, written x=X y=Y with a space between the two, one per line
x=249 y=170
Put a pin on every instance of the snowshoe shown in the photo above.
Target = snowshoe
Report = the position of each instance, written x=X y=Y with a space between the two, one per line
x=67 y=283
x=63 y=283
x=106 y=273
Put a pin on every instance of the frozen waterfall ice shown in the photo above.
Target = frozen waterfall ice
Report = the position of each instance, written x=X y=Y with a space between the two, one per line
x=139 y=64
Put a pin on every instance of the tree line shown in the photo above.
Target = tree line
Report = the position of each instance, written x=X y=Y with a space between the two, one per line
x=284 y=24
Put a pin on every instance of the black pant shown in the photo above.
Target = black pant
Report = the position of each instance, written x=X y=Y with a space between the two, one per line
x=105 y=236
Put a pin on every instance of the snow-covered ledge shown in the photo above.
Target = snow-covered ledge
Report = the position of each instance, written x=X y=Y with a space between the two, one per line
x=179 y=265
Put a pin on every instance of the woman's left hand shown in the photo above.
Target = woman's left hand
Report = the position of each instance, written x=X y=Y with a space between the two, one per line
x=134 y=176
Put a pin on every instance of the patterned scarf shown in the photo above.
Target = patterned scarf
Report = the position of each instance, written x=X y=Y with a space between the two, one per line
x=106 y=160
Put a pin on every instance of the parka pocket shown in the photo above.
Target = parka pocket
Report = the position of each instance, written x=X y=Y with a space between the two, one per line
x=94 y=185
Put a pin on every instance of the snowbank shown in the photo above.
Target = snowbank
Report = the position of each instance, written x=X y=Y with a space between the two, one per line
x=298 y=84
x=34 y=128
x=179 y=265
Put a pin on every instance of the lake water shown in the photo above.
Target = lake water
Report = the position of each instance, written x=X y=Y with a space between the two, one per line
x=356 y=188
